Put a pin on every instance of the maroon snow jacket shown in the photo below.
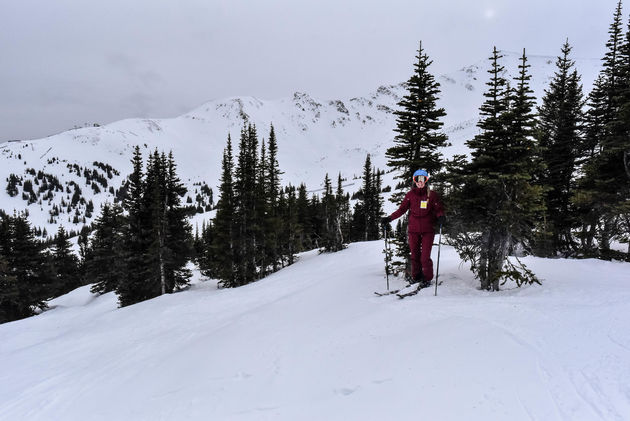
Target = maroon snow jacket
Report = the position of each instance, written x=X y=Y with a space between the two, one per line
x=423 y=210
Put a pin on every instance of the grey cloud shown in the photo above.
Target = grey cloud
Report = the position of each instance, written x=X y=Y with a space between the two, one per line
x=74 y=62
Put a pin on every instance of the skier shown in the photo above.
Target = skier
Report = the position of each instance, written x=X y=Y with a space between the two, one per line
x=425 y=209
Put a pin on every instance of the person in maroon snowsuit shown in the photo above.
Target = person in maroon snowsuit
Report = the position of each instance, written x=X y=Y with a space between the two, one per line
x=425 y=210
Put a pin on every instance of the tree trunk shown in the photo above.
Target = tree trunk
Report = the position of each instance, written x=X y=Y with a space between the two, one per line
x=161 y=260
x=162 y=242
x=483 y=261
x=162 y=274
x=502 y=246
x=605 y=237
x=339 y=245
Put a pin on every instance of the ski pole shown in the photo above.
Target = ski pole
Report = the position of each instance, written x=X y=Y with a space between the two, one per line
x=437 y=271
x=386 y=256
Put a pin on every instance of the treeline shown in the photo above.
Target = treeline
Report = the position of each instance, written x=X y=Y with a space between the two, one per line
x=259 y=226
x=140 y=248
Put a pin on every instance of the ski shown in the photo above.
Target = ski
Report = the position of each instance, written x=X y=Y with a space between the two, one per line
x=415 y=291
x=382 y=294
x=394 y=291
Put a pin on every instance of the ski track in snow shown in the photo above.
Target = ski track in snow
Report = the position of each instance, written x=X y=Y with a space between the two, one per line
x=313 y=342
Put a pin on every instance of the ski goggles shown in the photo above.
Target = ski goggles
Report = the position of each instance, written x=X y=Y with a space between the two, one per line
x=420 y=179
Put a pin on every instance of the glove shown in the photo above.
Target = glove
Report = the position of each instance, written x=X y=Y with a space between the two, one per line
x=441 y=220
x=385 y=220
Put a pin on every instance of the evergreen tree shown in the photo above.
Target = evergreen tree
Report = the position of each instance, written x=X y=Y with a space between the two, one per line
x=84 y=244
x=221 y=253
x=374 y=207
x=613 y=59
x=273 y=172
x=247 y=208
x=9 y=293
x=524 y=152
x=328 y=216
x=65 y=263
x=169 y=239
x=621 y=143
x=361 y=208
x=418 y=140
x=331 y=213
x=418 y=126
x=272 y=222
x=317 y=221
x=613 y=161
x=291 y=229
x=483 y=186
x=369 y=206
x=133 y=232
x=344 y=215
x=493 y=196
x=133 y=287
x=585 y=203
x=12 y=185
x=104 y=266
x=155 y=204
x=560 y=137
x=179 y=231
x=266 y=245
x=202 y=244
x=8 y=289
x=305 y=234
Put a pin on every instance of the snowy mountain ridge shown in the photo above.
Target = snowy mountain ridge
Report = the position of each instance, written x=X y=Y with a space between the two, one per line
x=315 y=137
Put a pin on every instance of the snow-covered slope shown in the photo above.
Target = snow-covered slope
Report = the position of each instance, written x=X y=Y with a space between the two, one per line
x=312 y=342
x=315 y=137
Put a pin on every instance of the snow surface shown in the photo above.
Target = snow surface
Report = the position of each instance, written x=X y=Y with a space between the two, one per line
x=312 y=342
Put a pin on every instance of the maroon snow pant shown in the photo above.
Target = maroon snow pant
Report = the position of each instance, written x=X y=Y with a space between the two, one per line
x=420 y=244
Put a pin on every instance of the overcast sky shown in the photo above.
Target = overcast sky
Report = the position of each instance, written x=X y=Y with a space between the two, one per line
x=69 y=62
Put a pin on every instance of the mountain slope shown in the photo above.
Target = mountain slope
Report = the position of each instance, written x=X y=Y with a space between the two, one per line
x=313 y=342
x=315 y=137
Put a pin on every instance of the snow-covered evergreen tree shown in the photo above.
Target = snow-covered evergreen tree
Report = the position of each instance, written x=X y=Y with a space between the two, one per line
x=369 y=207
x=65 y=263
x=104 y=262
x=332 y=235
x=560 y=134
x=418 y=141
x=219 y=254
x=494 y=198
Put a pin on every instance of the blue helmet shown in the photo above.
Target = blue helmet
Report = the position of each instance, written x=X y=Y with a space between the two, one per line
x=422 y=173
